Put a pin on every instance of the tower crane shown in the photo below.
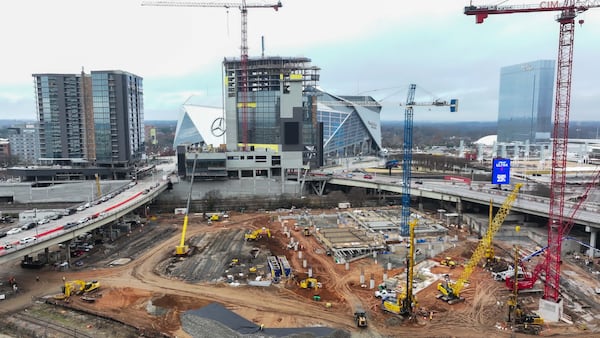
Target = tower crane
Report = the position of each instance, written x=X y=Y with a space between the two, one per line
x=243 y=6
x=569 y=9
x=407 y=149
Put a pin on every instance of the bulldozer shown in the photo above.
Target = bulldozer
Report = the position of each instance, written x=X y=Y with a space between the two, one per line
x=448 y=262
x=257 y=234
x=309 y=283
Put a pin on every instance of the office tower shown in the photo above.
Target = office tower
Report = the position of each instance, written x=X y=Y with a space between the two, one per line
x=526 y=102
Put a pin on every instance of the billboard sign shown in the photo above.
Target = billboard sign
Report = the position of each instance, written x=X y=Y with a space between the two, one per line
x=501 y=171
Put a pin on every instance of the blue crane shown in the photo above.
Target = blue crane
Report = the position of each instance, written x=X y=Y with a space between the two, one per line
x=407 y=150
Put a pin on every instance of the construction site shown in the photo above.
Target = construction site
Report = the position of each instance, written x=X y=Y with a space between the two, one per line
x=285 y=272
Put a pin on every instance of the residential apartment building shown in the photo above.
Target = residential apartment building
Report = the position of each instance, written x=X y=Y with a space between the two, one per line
x=90 y=119
x=24 y=143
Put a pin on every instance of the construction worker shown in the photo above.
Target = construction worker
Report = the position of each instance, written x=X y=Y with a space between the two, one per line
x=262 y=326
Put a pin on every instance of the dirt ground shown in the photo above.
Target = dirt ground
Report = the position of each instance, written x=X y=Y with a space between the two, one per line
x=141 y=296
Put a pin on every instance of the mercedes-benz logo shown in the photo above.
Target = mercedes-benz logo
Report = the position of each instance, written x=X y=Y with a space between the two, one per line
x=218 y=127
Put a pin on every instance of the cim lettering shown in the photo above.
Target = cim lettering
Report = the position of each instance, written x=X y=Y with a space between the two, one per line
x=550 y=4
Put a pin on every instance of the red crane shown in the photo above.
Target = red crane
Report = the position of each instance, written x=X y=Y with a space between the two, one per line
x=557 y=224
x=243 y=6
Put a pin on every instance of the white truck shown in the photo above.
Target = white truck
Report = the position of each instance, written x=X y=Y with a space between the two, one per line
x=509 y=273
x=385 y=294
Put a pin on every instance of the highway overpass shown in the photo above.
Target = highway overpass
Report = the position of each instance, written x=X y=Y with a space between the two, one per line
x=71 y=226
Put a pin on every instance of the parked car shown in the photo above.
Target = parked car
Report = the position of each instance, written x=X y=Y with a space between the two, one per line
x=14 y=231
x=27 y=240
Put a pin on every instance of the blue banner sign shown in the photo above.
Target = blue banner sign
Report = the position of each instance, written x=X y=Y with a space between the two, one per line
x=501 y=171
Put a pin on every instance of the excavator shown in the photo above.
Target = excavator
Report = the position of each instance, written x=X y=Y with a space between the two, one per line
x=406 y=302
x=448 y=262
x=78 y=287
x=257 y=234
x=450 y=291
x=309 y=283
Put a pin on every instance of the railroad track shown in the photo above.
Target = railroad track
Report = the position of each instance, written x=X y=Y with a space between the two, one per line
x=50 y=329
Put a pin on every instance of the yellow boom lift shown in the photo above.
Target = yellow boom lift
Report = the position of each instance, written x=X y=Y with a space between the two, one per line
x=450 y=292
x=182 y=249
x=404 y=303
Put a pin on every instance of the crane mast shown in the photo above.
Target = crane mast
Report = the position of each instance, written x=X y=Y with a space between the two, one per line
x=556 y=221
x=407 y=150
x=243 y=87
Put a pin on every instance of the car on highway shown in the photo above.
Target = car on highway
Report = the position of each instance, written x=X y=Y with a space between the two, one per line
x=27 y=240
x=14 y=231
x=83 y=220
x=29 y=226
x=368 y=176
x=2 y=234
x=69 y=225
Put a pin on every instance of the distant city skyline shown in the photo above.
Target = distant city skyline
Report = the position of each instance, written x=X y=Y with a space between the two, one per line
x=375 y=49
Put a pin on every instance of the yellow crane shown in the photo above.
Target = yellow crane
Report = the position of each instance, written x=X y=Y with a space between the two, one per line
x=450 y=292
x=404 y=303
x=182 y=249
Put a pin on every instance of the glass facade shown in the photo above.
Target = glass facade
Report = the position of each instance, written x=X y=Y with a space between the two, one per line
x=101 y=122
x=61 y=125
x=118 y=116
x=526 y=102
x=350 y=125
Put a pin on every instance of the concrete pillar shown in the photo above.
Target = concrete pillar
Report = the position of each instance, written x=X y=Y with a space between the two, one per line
x=300 y=254
x=304 y=263
x=310 y=273
x=47 y=253
x=385 y=276
x=593 y=235
x=347 y=266
x=389 y=266
x=372 y=282
x=362 y=276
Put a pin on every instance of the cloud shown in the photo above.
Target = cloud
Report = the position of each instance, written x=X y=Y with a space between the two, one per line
x=358 y=45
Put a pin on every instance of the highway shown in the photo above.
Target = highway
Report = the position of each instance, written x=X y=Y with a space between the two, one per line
x=477 y=192
x=128 y=198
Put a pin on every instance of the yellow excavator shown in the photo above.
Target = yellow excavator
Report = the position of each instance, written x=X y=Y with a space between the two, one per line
x=257 y=234
x=78 y=287
x=405 y=303
x=309 y=283
x=450 y=291
x=448 y=262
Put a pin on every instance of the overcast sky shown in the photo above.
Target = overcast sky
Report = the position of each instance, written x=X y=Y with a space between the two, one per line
x=379 y=47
